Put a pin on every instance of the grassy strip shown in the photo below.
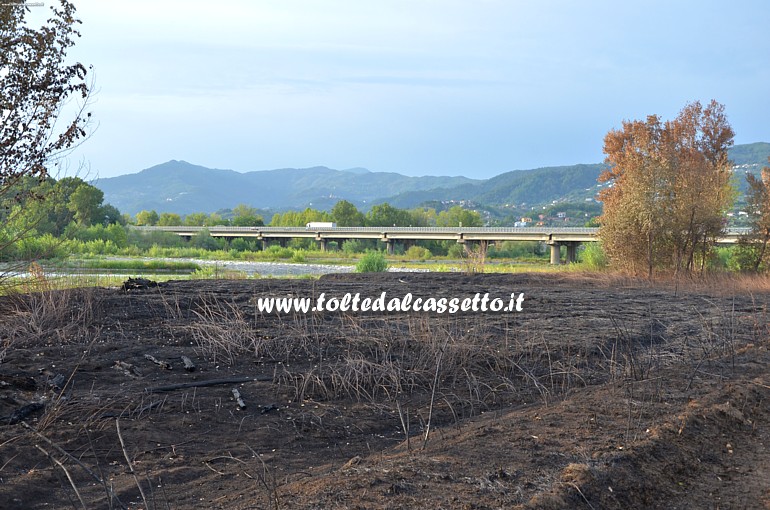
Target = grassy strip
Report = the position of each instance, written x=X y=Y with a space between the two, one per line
x=129 y=265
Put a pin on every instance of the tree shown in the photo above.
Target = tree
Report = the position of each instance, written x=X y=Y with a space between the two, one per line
x=423 y=217
x=204 y=240
x=245 y=216
x=86 y=204
x=196 y=219
x=214 y=219
x=669 y=187
x=35 y=84
x=345 y=214
x=169 y=219
x=456 y=216
x=754 y=245
x=148 y=218
x=111 y=215
x=299 y=218
x=385 y=215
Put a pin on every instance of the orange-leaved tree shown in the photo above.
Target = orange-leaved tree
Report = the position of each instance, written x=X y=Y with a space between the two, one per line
x=668 y=187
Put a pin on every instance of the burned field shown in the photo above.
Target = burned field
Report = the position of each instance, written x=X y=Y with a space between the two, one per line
x=601 y=393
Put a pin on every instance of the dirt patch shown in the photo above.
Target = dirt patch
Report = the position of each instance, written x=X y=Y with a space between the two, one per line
x=600 y=393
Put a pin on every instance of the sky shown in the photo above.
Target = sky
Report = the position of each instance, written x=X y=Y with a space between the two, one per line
x=418 y=87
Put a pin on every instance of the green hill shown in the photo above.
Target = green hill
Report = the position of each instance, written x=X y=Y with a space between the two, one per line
x=181 y=187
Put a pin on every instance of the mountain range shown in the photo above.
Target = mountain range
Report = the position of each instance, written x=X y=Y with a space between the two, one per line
x=181 y=187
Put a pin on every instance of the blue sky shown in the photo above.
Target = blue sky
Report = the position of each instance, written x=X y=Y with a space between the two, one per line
x=419 y=87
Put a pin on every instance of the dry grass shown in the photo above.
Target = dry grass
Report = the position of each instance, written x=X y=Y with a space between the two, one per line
x=465 y=363
x=474 y=259
x=47 y=317
x=428 y=369
x=714 y=283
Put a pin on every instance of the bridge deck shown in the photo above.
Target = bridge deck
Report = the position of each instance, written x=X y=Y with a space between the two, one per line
x=460 y=234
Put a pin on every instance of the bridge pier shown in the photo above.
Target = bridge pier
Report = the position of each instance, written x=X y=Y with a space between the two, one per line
x=555 y=253
x=322 y=244
x=390 y=246
x=572 y=247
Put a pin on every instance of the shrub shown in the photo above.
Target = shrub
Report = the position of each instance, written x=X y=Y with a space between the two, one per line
x=516 y=250
x=593 y=256
x=353 y=246
x=743 y=257
x=372 y=262
x=276 y=251
x=42 y=247
x=456 y=251
x=418 y=253
x=204 y=240
x=145 y=240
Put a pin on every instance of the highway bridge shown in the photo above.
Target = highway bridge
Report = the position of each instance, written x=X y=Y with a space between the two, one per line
x=553 y=236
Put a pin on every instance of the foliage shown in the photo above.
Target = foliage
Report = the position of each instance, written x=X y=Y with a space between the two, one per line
x=114 y=233
x=204 y=240
x=40 y=247
x=279 y=252
x=167 y=219
x=351 y=246
x=517 y=250
x=35 y=82
x=459 y=217
x=145 y=240
x=240 y=244
x=456 y=251
x=245 y=216
x=743 y=257
x=385 y=215
x=372 y=262
x=593 y=257
x=754 y=246
x=86 y=204
x=148 y=218
x=196 y=219
x=418 y=253
x=345 y=214
x=670 y=186
x=299 y=218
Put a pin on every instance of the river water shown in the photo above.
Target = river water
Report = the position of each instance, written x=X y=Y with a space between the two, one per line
x=278 y=269
x=273 y=268
x=269 y=269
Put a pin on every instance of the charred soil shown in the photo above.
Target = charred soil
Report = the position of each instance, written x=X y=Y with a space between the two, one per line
x=601 y=393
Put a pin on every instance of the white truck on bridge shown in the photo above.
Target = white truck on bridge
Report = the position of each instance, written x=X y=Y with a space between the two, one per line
x=321 y=224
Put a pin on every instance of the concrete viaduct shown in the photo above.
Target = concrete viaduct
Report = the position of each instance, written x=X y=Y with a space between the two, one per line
x=554 y=237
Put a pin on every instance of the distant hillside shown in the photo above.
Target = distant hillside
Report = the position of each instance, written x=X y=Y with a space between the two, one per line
x=750 y=154
x=183 y=188
x=539 y=186
x=575 y=183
